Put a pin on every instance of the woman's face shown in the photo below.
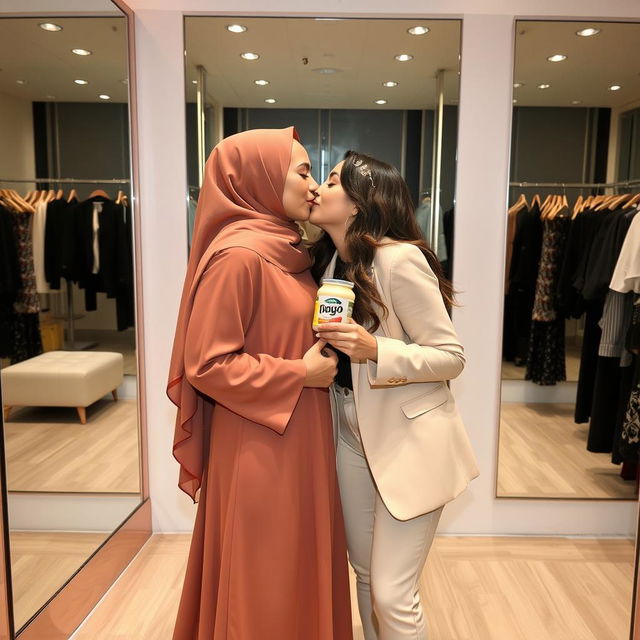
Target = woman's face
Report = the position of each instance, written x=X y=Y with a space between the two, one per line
x=299 y=187
x=332 y=207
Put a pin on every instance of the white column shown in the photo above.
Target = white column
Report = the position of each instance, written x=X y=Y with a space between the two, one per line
x=162 y=193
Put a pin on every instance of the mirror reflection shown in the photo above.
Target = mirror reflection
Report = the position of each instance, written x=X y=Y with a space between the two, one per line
x=67 y=304
x=402 y=111
x=569 y=419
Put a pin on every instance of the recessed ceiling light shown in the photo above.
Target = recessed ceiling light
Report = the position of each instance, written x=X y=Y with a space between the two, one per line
x=557 y=57
x=81 y=81
x=418 y=31
x=404 y=57
x=82 y=52
x=615 y=87
x=517 y=85
x=514 y=101
x=576 y=102
x=236 y=28
x=390 y=83
x=381 y=101
x=261 y=83
x=249 y=56
x=125 y=81
x=49 y=26
x=587 y=32
x=544 y=86
x=326 y=70
x=50 y=97
x=104 y=96
x=194 y=82
x=21 y=82
x=270 y=100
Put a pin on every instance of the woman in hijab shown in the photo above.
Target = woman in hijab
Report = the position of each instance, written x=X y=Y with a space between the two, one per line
x=253 y=432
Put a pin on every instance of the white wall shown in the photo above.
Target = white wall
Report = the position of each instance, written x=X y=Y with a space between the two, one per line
x=482 y=177
x=17 y=151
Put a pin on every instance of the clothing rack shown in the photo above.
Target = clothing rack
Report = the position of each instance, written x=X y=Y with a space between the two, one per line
x=70 y=343
x=71 y=180
x=577 y=185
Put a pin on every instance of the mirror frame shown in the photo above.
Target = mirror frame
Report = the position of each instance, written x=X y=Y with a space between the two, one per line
x=61 y=615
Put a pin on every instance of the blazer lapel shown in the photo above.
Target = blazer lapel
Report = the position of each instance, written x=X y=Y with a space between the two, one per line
x=360 y=368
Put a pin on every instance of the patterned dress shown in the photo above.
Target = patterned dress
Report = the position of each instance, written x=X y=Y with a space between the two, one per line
x=546 y=357
x=629 y=445
x=26 y=321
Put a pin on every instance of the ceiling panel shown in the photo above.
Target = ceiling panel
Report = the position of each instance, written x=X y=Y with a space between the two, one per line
x=43 y=59
x=362 y=52
x=593 y=64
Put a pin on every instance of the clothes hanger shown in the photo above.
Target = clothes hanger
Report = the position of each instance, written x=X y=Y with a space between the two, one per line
x=616 y=202
x=535 y=201
x=606 y=201
x=99 y=192
x=520 y=201
x=633 y=201
x=550 y=207
x=72 y=194
x=16 y=201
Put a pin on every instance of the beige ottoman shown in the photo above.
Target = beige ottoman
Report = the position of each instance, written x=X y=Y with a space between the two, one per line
x=62 y=379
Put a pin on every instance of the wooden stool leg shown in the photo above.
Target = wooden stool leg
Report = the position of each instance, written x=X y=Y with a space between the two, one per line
x=7 y=411
x=82 y=412
x=114 y=393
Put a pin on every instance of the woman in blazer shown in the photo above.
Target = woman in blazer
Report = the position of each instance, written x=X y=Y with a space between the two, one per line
x=403 y=452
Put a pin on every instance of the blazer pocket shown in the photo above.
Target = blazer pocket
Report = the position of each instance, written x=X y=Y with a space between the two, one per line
x=425 y=402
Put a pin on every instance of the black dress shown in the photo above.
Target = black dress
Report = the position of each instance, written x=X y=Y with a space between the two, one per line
x=115 y=275
x=523 y=273
x=628 y=445
x=546 y=355
x=612 y=383
x=9 y=281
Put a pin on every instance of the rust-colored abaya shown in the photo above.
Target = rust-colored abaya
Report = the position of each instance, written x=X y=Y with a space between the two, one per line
x=268 y=554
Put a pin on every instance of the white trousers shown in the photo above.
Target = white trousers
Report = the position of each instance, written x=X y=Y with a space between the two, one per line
x=387 y=555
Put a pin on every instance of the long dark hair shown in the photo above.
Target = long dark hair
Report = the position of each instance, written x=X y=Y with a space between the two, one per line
x=384 y=208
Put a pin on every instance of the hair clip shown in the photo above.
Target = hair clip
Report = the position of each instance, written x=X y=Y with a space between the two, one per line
x=366 y=172
x=364 y=169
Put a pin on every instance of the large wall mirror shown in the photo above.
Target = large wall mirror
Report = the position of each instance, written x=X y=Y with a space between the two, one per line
x=388 y=88
x=570 y=370
x=67 y=296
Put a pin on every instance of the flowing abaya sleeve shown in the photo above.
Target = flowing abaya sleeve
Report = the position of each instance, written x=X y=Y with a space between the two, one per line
x=260 y=387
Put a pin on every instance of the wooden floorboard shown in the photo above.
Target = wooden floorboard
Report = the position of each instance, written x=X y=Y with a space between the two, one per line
x=473 y=589
x=543 y=454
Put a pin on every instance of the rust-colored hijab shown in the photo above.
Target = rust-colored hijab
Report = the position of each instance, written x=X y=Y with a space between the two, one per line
x=240 y=204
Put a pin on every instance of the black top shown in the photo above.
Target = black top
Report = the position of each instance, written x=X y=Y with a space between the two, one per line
x=344 y=361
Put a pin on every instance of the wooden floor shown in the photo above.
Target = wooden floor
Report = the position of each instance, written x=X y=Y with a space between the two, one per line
x=473 y=589
x=48 y=449
x=543 y=454
x=572 y=363
x=41 y=562
x=123 y=342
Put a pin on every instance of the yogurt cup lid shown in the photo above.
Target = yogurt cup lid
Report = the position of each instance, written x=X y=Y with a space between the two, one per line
x=344 y=283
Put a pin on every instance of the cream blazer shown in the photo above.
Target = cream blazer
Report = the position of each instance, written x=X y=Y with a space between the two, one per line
x=413 y=437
